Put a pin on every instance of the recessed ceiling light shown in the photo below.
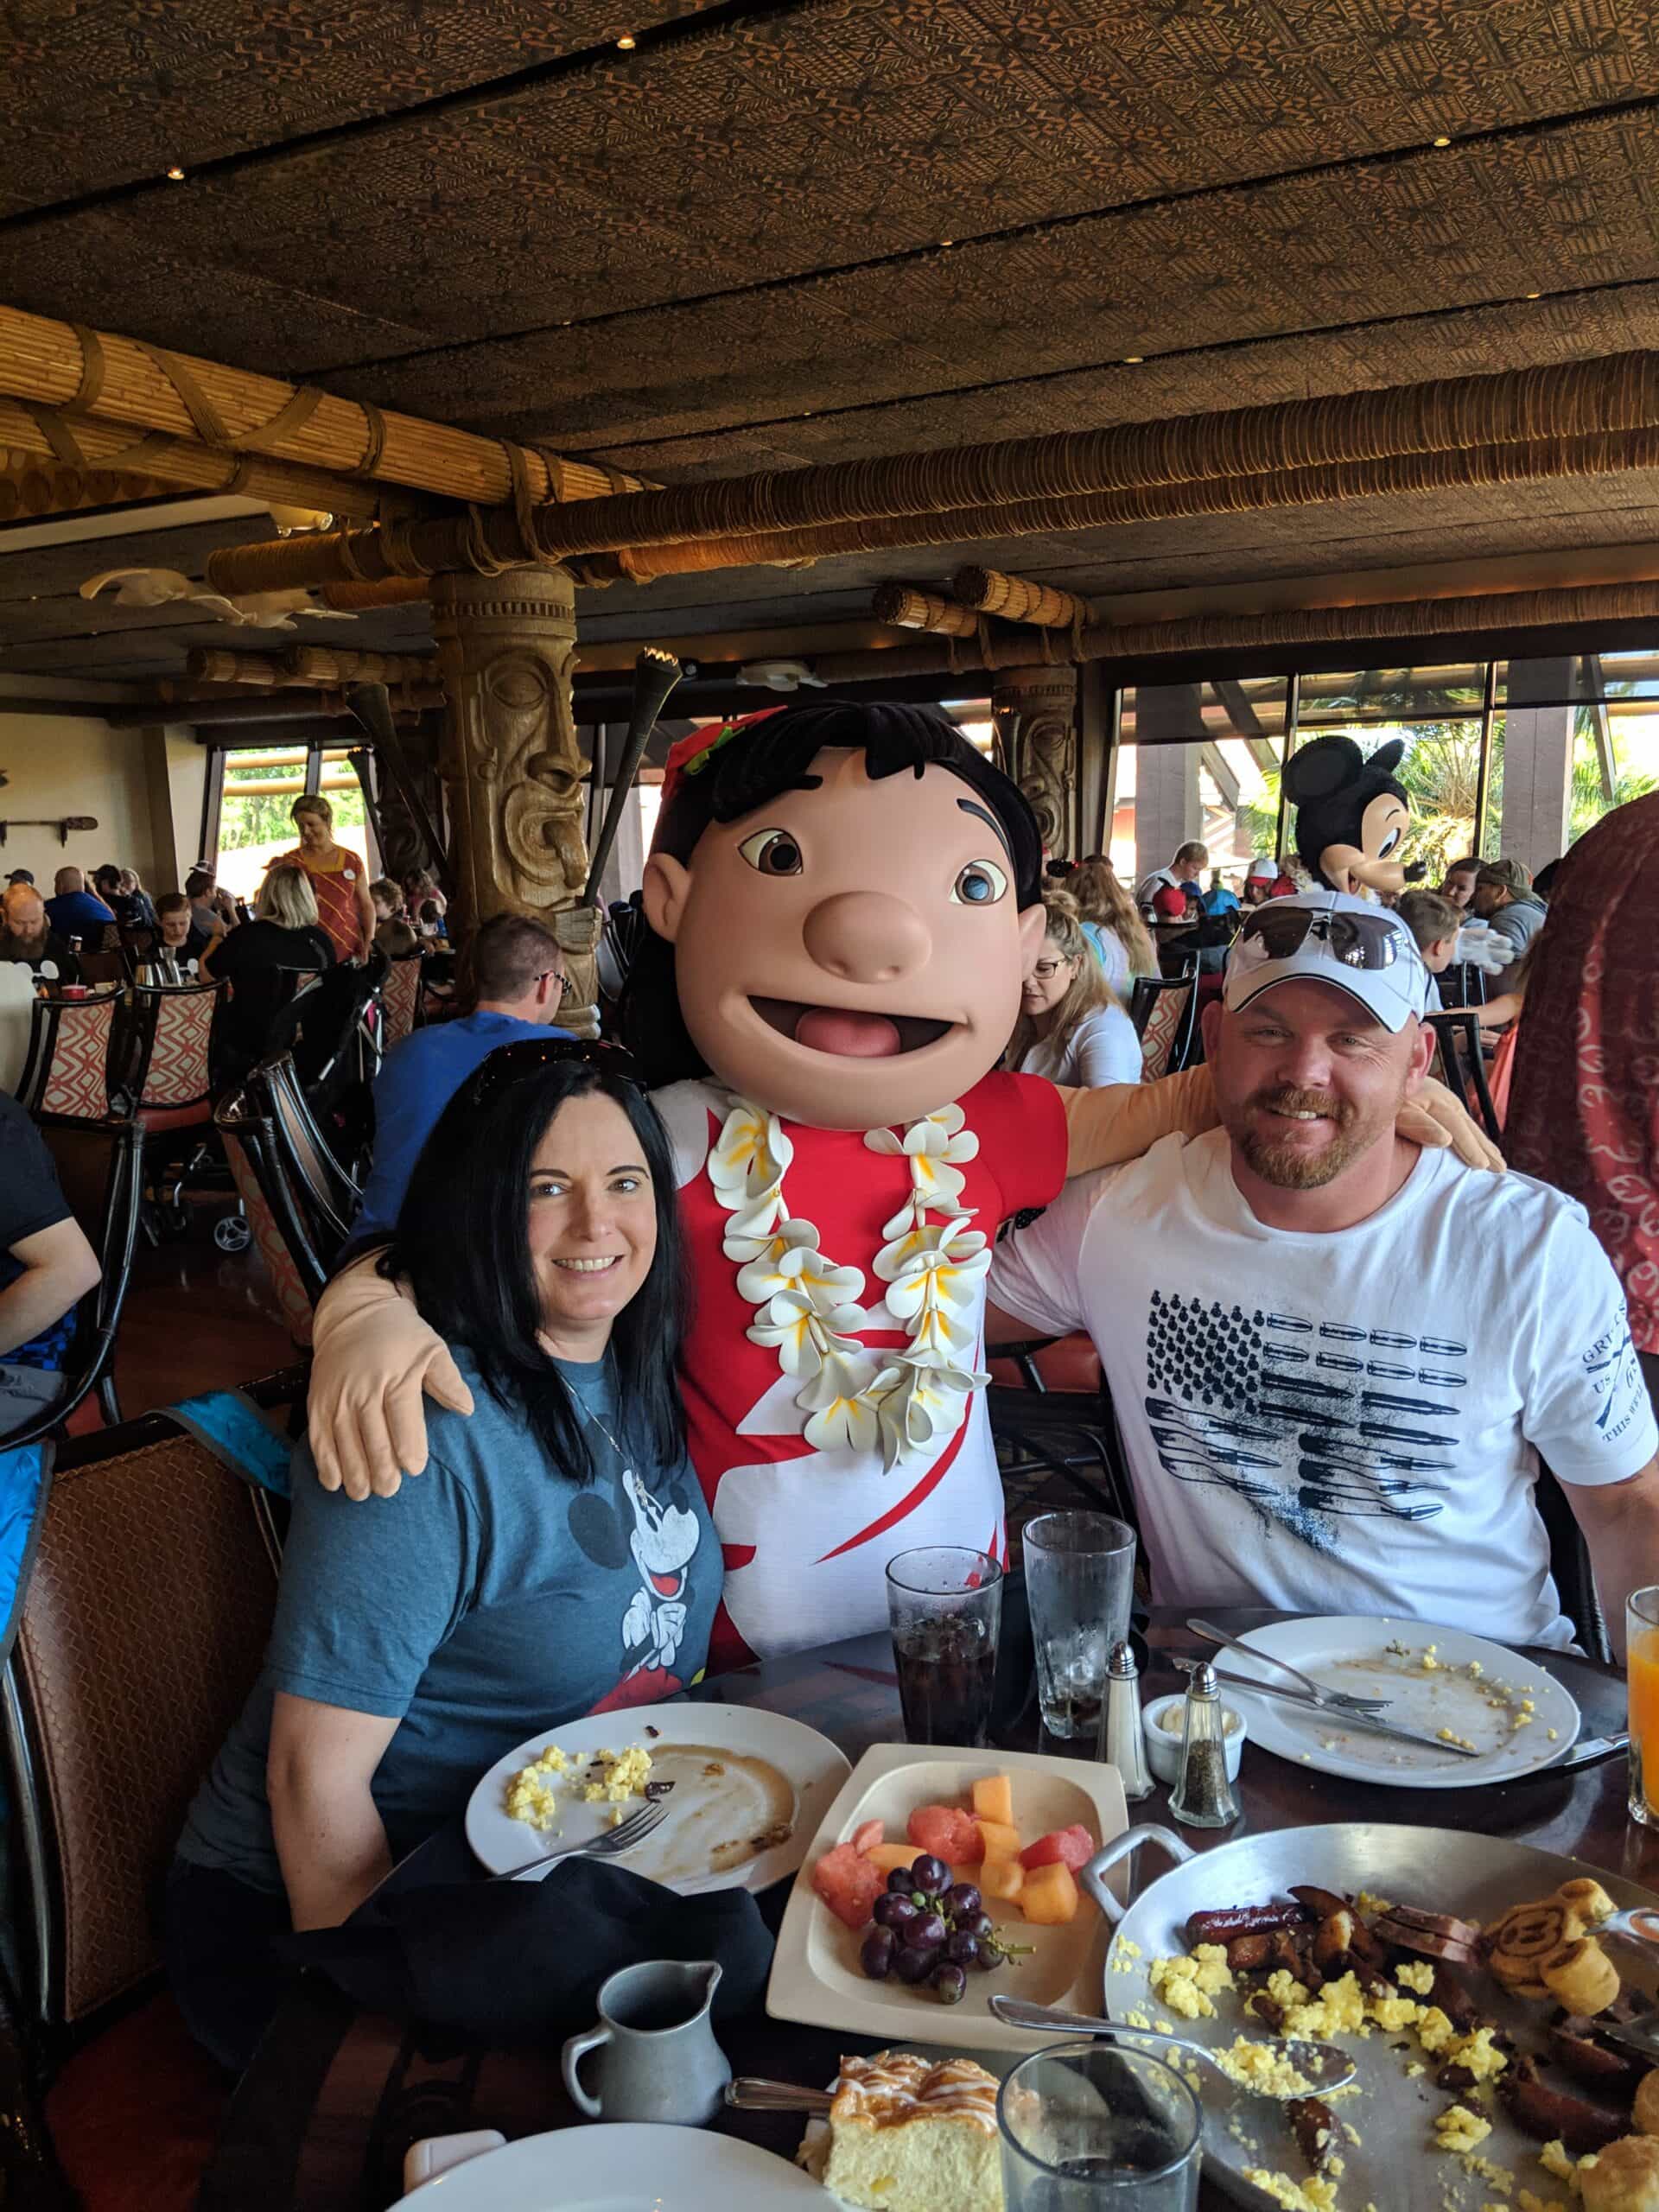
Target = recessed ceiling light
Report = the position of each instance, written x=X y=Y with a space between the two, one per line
x=1129 y=359
x=176 y=174
x=625 y=42
x=1534 y=296
x=947 y=242
x=1442 y=141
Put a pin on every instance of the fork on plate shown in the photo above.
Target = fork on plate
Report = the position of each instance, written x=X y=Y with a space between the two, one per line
x=605 y=1845
x=1334 y=1701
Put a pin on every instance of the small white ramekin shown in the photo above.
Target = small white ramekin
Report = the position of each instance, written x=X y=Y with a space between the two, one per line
x=1164 y=1749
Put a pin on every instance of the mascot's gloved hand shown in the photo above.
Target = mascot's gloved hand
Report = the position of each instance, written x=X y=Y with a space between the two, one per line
x=374 y=1356
x=1433 y=1118
x=1484 y=947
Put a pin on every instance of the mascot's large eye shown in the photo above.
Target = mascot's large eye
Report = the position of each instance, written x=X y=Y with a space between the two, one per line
x=773 y=852
x=1389 y=843
x=982 y=883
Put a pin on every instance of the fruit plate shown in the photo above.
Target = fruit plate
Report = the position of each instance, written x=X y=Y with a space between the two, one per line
x=816 y=1975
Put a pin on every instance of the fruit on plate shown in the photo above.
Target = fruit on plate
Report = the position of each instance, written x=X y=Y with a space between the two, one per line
x=947 y=1832
x=1049 y=1899
x=849 y=1884
x=1069 y=1848
x=1000 y=1838
x=889 y=1857
x=992 y=1796
x=868 y=1833
x=1002 y=1879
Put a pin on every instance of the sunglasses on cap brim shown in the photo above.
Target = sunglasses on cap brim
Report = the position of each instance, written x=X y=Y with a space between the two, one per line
x=510 y=1063
x=1370 y=942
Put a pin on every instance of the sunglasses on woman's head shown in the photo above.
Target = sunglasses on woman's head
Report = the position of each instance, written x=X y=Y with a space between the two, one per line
x=509 y=1063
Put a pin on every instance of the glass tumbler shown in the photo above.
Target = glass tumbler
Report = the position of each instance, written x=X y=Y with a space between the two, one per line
x=1080 y=1581
x=1089 y=2128
x=1641 y=1669
x=945 y=1607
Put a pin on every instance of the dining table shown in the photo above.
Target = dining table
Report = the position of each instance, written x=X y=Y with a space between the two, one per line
x=335 y=2097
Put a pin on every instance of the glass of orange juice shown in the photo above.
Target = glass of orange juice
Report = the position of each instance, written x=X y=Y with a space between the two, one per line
x=1642 y=1661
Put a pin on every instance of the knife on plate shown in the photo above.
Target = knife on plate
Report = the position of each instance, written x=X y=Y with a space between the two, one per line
x=1342 y=1721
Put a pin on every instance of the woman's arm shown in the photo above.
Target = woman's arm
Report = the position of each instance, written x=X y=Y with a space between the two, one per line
x=329 y=1835
x=1108 y=1049
x=364 y=912
x=1496 y=1012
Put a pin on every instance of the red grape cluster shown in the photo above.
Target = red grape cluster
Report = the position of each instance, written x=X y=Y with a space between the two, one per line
x=928 y=1929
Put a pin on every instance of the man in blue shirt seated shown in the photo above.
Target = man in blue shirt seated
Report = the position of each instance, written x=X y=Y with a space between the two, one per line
x=73 y=911
x=46 y=1266
x=518 y=975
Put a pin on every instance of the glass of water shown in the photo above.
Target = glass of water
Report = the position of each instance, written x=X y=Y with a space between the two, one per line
x=1089 y=2128
x=1080 y=1581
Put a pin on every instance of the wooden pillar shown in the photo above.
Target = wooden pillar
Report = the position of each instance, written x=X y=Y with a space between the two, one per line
x=1037 y=709
x=511 y=764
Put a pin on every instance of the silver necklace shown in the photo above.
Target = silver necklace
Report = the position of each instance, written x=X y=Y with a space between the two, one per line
x=588 y=1414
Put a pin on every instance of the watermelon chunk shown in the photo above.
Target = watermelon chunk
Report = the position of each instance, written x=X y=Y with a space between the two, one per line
x=948 y=1832
x=868 y=1834
x=1070 y=1847
x=849 y=1883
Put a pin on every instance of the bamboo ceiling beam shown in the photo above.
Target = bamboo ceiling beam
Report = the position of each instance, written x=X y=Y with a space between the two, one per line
x=125 y=380
x=908 y=607
x=321 y=666
x=85 y=441
x=1017 y=599
x=1297 y=625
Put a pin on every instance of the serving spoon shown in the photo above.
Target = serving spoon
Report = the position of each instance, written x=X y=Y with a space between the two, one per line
x=1320 y=2065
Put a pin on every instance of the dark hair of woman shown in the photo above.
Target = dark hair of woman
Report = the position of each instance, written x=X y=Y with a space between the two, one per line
x=462 y=1245
x=774 y=754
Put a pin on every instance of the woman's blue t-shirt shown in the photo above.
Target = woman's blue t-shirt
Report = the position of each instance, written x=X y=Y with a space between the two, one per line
x=492 y=1598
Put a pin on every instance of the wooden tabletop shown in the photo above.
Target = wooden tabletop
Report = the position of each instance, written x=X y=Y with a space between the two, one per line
x=333 y=2098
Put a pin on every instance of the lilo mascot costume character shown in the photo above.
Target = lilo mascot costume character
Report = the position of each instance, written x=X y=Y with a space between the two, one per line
x=1352 y=816
x=842 y=900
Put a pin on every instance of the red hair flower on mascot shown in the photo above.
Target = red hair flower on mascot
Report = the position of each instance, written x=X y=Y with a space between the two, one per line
x=842 y=902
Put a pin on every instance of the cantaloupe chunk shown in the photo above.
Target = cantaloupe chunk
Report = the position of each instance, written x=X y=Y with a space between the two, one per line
x=1049 y=1899
x=1002 y=1879
x=887 y=1856
x=1002 y=1839
x=993 y=1799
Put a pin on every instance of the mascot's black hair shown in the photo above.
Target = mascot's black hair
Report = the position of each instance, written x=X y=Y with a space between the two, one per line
x=1331 y=783
x=773 y=754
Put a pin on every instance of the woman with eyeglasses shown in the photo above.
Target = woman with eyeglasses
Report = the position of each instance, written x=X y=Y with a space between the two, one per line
x=1072 y=1028
x=554 y=1559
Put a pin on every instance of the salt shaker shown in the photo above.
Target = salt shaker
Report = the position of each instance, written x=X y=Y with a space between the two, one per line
x=1123 y=1743
x=1203 y=1796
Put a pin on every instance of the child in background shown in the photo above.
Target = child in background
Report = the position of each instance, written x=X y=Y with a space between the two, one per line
x=1434 y=922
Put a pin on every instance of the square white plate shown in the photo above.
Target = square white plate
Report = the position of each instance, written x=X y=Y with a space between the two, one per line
x=816 y=1976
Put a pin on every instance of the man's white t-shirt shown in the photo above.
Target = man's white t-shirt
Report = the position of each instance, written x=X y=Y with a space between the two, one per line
x=1329 y=1424
x=1150 y=886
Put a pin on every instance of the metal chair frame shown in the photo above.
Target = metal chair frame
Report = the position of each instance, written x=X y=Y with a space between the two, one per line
x=1037 y=1423
x=47 y=1020
x=304 y=1151
x=1459 y=1032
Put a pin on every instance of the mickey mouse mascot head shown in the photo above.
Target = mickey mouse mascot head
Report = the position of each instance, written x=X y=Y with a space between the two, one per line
x=1351 y=815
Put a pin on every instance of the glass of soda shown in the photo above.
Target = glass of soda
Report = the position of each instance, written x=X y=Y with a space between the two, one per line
x=1080 y=1579
x=945 y=1604
x=1089 y=2128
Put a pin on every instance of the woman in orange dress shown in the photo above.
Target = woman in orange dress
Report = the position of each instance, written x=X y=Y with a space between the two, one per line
x=340 y=879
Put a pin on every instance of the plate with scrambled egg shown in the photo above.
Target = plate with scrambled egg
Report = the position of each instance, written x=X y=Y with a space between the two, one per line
x=1407 y=2141
x=745 y=1790
x=1440 y=1681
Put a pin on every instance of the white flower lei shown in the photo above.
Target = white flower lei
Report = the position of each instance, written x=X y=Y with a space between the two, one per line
x=806 y=1305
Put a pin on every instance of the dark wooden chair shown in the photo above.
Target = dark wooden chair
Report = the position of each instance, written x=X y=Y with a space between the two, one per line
x=1459 y=1033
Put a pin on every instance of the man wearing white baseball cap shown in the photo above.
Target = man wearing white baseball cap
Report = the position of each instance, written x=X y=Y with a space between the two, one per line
x=1313 y=1417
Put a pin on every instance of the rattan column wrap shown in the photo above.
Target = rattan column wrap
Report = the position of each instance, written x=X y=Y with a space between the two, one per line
x=908 y=607
x=511 y=763
x=1016 y=599
x=126 y=381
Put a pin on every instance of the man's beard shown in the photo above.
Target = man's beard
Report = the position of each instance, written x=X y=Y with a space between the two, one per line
x=1289 y=1165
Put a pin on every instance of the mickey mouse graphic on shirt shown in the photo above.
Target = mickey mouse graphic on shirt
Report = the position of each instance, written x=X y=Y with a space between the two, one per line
x=660 y=1537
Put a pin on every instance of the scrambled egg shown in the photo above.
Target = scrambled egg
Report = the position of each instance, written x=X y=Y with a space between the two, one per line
x=532 y=1798
x=1124 y=1955
x=1367 y=1903
x=1448 y=1736
x=1186 y=1985
x=1459 y=2129
x=1529 y=2202
x=1555 y=2159
x=1258 y=2066
x=1313 y=2195
x=1418 y=1975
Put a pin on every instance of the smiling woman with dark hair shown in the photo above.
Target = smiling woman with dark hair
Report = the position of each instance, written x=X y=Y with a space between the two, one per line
x=554 y=1559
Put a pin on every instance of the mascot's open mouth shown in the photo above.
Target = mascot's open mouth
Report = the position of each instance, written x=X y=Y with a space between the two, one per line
x=847 y=1032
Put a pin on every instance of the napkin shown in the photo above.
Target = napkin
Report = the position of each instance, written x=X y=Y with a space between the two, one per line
x=512 y=1961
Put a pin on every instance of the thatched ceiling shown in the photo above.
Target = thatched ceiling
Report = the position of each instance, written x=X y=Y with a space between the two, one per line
x=785 y=232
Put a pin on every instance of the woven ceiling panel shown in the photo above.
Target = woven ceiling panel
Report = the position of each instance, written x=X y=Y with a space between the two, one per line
x=102 y=92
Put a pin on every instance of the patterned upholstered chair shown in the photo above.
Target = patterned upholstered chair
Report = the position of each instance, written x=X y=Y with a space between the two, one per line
x=400 y=997
x=173 y=1026
x=1164 y=1012
x=141 y=1629
x=68 y=1069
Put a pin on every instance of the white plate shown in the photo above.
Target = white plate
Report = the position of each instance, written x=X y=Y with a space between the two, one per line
x=700 y=1812
x=816 y=1975
x=1350 y=1652
x=621 y=2169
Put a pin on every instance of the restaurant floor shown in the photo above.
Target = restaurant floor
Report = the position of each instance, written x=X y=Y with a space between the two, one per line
x=196 y=1318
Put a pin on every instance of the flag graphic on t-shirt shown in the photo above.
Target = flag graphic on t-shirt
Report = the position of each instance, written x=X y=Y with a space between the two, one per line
x=1305 y=1420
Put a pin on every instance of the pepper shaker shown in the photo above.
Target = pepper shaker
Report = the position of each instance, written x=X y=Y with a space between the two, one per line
x=1123 y=1743
x=1203 y=1796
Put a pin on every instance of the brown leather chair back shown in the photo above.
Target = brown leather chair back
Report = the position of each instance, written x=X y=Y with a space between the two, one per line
x=146 y=1618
